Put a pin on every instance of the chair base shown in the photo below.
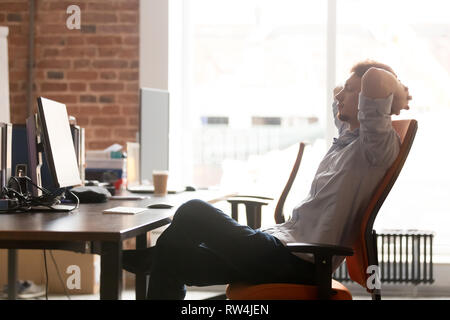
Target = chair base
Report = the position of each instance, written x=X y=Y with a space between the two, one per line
x=283 y=291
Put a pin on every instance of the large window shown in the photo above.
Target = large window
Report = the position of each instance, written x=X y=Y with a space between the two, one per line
x=255 y=75
x=414 y=38
x=257 y=84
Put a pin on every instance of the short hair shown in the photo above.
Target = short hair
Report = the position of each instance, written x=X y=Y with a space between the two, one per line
x=361 y=67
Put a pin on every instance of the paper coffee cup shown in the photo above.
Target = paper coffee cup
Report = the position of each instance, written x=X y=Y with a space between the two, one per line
x=160 y=178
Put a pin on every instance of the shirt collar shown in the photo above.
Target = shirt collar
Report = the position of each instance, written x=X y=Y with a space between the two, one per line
x=346 y=138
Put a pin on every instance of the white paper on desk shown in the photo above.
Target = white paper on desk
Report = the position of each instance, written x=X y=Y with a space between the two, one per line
x=125 y=210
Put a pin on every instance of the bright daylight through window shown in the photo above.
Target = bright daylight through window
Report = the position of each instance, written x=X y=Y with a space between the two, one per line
x=258 y=71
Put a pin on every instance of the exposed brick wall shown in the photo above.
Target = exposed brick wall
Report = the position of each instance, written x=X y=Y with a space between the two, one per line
x=94 y=71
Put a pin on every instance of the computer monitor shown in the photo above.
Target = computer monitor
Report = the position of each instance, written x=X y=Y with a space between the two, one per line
x=153 y=132
x=52 y=126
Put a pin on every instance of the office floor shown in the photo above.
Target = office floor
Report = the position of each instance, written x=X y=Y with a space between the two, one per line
x=201 y=295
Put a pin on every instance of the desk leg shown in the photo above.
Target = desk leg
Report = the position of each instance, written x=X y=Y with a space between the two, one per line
x=12 y=274
x=111 y=271
x=141 y=279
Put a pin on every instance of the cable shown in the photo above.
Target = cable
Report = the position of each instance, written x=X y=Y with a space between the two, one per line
x=46 y=276
x=59 y=275
x=17 y=201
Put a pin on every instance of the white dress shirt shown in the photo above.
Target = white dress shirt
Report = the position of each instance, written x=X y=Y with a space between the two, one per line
x=344 y=181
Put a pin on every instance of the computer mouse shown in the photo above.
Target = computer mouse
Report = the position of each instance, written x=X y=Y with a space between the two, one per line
x=190 y=188
x=159 y=206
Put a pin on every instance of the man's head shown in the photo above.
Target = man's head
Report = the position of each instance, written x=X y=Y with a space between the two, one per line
x=349 y=95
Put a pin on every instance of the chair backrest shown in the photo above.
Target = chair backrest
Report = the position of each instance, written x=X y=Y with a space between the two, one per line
x=279 y=216
x=365 y=251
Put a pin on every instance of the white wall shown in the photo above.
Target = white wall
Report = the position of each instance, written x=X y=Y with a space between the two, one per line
x=4 y=76
x=157 y=61
x=153 y=45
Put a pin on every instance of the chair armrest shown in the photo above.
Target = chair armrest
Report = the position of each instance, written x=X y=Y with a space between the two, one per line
x=323 y=254
x=318 y=248
x=249 y=200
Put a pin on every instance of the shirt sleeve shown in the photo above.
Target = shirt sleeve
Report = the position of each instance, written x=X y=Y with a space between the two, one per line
x=380 y=142
x=340 y=125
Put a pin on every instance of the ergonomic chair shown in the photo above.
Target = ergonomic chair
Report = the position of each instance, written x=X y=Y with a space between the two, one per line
x=362 y=254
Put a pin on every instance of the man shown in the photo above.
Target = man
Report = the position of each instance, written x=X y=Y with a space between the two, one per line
x=204 y=246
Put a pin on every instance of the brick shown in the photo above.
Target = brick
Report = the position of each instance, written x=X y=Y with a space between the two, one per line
x=129 y=5
x=125 y=133
x=104 y=40
x=91 y=110
x=132 y=87
x=55 y=75
x=82 y=75
x=54 y=64
x=107 y=99
x=95 y=67
x=112 y=110
x=51 y=52
x=88 y=98
x=88 y=28
x=63 y=5
x=78 y=86
x=73 y=110
x=134 y=121
x=77 y=52
x=54 y=28
x=108 y=75
x=129 y=17
x=134 y=64
x=82 y=63
x=50 y=40
x=127 y=75
x=98 y=17
x=53 y=86
x=83 y=121
x=129 y=53
x=110 y=64
x=104 y=86
x=108 y=51
x=131 y=40
x=17 y=40
x=103 y=6
x=129 y=98
x=13 y=6
x=109 y=121
x=14 y=17
x=75 y=41
x=103 y=133
x=63 y=98
x=118 y=28
x=130 y=110
x=18 y=75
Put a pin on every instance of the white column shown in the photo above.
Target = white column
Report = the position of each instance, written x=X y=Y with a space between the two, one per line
x=331 y=70
x=4 y=76
x=153 y=44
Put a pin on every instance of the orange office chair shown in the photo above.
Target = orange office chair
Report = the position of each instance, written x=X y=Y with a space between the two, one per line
x=363 y=254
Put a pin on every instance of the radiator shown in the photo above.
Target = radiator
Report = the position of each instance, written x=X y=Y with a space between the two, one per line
x=404 y=256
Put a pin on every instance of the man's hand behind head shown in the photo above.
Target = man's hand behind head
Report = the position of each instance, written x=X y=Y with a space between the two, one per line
x=379 y=83
x=401 y=99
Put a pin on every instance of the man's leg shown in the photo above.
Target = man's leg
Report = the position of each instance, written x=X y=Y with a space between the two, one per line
x=204 y=246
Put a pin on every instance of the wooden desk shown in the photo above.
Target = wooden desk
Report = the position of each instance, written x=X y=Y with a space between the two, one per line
x=88 y=230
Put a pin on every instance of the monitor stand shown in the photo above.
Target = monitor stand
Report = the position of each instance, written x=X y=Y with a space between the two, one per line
x=35 y=161
x=35 y=150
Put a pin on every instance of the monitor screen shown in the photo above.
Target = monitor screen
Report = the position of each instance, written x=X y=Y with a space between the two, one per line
x=154 y=132
x=58 y=143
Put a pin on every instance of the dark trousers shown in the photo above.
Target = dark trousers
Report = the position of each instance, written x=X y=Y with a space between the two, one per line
x=203 y=246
